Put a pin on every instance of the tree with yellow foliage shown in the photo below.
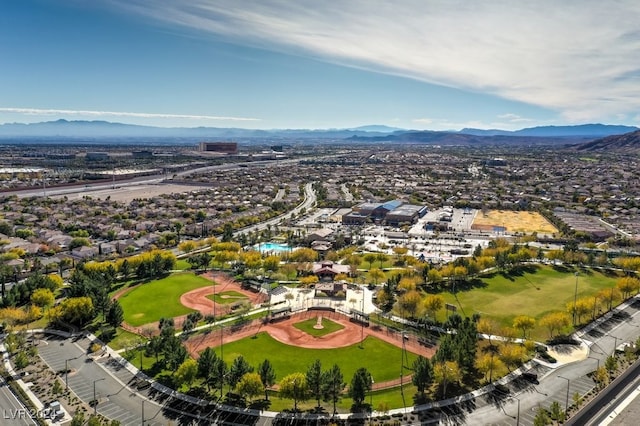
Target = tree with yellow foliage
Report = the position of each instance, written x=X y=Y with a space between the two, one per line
x=555 y=321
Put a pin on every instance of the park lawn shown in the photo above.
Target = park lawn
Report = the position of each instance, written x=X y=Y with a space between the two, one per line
x=391 y=397
x=225 y=297
x=182 y=265
x=380 y=358
x=536 y=291
x=156 y=299
x=122 y=339
x=308 y=327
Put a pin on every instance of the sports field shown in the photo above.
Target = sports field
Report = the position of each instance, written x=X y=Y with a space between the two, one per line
x=514 y=221
x=310 y=327
x=151 y=301
x=382 y=359
x=534 y=291
x=226 y=297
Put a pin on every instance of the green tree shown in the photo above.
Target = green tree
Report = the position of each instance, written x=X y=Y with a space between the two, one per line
x=21 y=360
x=227 y=232
x=556 y=412
x=370 y=258
x=94 y=421
x=294 y=386
x=187 y=372
x=250 y=385
x=206 y=365
x=174 y=352
x=115 y=315
x=154 y=346
x=541 y=418
x=267 y=375
x=77 y=419
x=334 y=385
x=422 y=374
x=360 y=384
x=238 y=368
x=314 y=378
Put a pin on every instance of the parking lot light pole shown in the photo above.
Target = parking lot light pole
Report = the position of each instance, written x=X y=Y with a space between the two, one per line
x=615 y=344
x=95 y=402
x=597 y=360
x=66 y=373
x=517 y=415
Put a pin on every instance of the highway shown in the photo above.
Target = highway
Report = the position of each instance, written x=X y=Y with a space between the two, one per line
x=54 y=191
x=601 y=410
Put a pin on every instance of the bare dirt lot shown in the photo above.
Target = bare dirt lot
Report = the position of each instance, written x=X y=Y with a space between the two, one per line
x=126 y=194
x=514 y=221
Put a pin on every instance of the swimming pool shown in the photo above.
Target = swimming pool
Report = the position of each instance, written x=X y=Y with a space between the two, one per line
x=271 y=247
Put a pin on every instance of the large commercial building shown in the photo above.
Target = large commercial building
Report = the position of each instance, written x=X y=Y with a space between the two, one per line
x=393 y=213
x=219 y=147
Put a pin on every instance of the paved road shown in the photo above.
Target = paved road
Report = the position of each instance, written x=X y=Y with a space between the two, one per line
x=309 y=201
x=12 y=412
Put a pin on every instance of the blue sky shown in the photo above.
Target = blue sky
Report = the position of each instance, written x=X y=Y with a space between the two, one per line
x=419 y=64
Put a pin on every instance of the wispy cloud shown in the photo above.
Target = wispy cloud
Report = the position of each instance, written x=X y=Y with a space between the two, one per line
x=97 y=114
x=515 y=118
x=577 y=57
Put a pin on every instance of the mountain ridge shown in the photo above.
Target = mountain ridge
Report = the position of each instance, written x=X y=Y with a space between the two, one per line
x=60 y=129
x=625 y=143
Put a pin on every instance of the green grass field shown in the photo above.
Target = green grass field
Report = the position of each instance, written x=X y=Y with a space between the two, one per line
x=534 y=291
x=159 y=298
x=392 y=397
x=380 y=358
x=182 y=265
x=226 y=297
x=308 y=327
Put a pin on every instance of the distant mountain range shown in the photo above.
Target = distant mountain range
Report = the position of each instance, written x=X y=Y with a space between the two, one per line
x=105 y=132
x=583 y=130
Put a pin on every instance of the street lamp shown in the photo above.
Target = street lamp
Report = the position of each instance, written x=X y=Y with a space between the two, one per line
x=66 y=373
x=143 y=411
x=575 y=300
x=597 y=360
x=518 y=415
x=95 y=401
x=566 y=403
x=615 y=343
